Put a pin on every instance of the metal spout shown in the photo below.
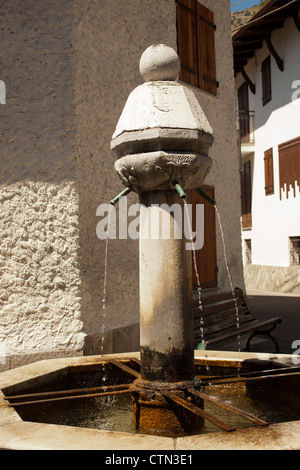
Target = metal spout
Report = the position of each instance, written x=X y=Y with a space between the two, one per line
x=123 y=193
x=179 y=190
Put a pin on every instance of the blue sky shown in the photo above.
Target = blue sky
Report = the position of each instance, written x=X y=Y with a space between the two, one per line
x=243 y=5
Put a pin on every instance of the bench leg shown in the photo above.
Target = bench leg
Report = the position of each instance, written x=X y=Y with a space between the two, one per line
x=264 y=333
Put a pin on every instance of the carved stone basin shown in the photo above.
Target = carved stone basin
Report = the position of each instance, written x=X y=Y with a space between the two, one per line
x=159 y=170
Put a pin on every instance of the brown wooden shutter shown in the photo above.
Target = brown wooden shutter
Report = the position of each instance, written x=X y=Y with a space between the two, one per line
x=206 y=49
x=289 y=165
x=246 y=195
x=206 y=257
x=269 y=176
x=187 y=41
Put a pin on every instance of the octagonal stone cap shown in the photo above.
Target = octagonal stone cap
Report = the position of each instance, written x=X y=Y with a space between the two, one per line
x=161 y=103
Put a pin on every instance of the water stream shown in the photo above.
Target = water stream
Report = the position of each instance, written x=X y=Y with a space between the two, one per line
x=200 y=306
x=229 y=277
x=202 y=344
x=105 y=273
x=104 y=378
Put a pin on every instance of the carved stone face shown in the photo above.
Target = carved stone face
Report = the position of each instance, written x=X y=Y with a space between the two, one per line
x=158 y=170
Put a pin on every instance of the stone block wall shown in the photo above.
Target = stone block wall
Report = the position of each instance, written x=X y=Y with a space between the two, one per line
x=284 y=279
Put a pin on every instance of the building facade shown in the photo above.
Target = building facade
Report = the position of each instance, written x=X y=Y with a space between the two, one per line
x=268 y=92
x=68 y=68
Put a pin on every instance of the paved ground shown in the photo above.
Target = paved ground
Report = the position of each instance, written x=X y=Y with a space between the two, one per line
x=264 y=305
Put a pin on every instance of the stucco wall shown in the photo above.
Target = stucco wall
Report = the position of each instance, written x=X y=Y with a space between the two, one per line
x=40 y=273
x=69 y=67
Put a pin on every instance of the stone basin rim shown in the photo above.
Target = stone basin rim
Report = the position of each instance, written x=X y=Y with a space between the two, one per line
x=18 y=434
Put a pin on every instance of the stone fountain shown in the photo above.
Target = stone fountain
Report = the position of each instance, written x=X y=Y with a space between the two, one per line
x=161 y=141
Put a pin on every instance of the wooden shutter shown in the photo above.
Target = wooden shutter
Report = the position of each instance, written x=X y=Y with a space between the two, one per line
x=196 y=45
x=206 y=257
x=206 y=49
x=269 y=176
x=289 y=165
x=266 y=80
x=246 y=195
x=187 y=41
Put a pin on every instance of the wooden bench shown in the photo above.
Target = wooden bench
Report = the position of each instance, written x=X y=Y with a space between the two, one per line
x=219 y=320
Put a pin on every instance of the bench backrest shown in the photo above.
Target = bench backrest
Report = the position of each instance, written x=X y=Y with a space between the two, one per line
x=221 y=312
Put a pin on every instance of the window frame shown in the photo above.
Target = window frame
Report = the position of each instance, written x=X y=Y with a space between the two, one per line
x=294 y=250
x=248 y=251
x=246 y=195
x=266 y=79
x=269 y=172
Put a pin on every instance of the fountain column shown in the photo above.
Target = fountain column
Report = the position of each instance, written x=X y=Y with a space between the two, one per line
x=166 y=338
x=162 y=141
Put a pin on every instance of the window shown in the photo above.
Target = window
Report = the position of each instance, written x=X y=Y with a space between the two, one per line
x=266 y=80
x=246 y=195
x=248 y=251
x=295 y=251
x=206 y=258
x=289 y=165
x=269 y=177
x=243 y=102
x=196 y=45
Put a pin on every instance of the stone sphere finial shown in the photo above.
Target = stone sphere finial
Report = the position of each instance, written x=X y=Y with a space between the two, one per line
x=159 y=62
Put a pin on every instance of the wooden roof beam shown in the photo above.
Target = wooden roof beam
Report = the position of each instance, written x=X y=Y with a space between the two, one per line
x=245 y=40
x=266 y=26
x=296 y=19
x=238 y=62
x=274 y=53
x=251 y=46
x=247 y=78
x=243 y=53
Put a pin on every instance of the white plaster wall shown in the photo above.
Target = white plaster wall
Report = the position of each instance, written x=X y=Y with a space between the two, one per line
x=274 y=220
